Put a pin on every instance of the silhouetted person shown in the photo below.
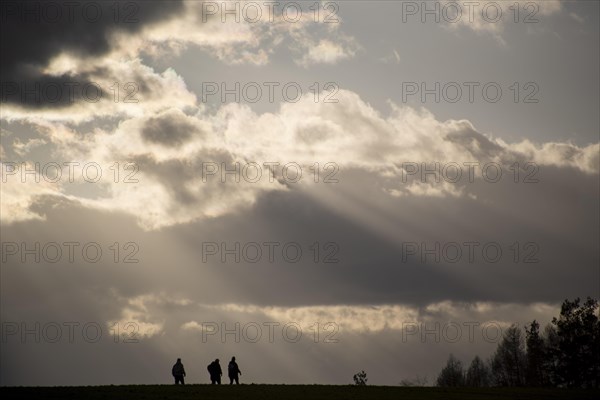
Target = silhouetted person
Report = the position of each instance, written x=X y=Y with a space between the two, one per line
x=214 y=369
x=233 y=372
x=178 y=372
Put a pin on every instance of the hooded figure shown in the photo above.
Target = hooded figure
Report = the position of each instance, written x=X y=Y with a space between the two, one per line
x=214 y=369
x=178 y=372
x=233 y=371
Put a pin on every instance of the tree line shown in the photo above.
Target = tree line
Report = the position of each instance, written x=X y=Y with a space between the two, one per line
x=565 y=354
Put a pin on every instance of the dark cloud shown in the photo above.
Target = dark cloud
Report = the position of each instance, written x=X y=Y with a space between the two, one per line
x=171 y=129
x=370 y=272
x=179 y=176
x=33 y=32
x=370 y=268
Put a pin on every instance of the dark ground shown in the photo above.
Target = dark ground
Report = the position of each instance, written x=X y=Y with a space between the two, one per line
x=287 y=392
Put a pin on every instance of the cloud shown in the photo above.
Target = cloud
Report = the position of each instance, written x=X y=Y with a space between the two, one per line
x=23 y=148
x=428 y=189
x=492 y=17
x=562 y=154
x=242 y=42
x=115 y=90
x=85 y=70
x=577 y=17
x=182 y=158
x=392 y=58
x=386 y=317
x=170 y=128
x=137 y=315
x=326 y=52
x=29 y=44
x=18 y=199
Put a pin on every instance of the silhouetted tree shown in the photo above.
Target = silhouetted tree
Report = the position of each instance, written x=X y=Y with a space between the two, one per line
x=452 y=375
x=360 y=378
x=478 y=374
x=577 y=351
x=536 y=356
x=552 y=355
x=566 y=355
x=509 y=360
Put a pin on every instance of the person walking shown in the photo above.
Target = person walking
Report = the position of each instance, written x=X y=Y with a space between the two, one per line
x=214 y=369
x=233 y=371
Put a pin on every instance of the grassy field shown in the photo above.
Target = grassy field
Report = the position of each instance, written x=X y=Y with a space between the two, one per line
x=286 y=392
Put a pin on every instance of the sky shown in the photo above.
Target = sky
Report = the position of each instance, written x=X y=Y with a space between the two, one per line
x=316 y=188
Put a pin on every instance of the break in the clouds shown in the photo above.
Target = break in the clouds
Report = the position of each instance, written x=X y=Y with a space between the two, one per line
x=342 y=172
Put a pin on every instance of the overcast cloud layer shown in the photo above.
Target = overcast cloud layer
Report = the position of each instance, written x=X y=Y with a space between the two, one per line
x=163 y=213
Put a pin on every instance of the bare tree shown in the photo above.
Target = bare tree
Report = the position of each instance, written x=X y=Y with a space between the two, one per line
x=509 y=360
x=478 y=374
